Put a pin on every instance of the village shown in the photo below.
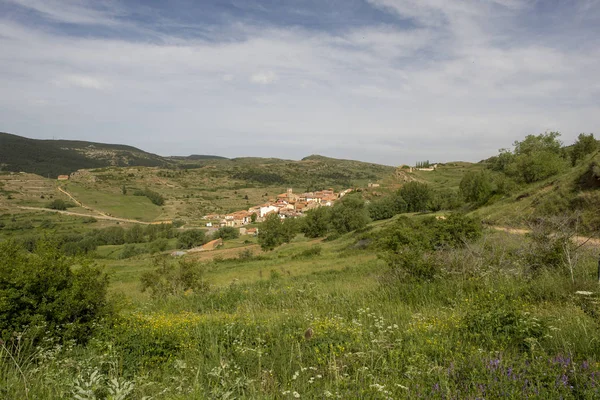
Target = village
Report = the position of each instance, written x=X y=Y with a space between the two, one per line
x=286 y=205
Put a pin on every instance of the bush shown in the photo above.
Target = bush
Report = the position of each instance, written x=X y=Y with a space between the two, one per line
x=310 y=252
x=170 y=279
x=159 y=245
x=154 y=197
x=316 y=222
x=533 y=159
x=59 y=204
x=43 y=288
x=349 y=214
x=128 y=251
x=227 y=233
x=585 y=144
x=417 y=196
x=476 y=187
x=191 y=238
x=387 y=207
x=493 y=319
x=411 y=264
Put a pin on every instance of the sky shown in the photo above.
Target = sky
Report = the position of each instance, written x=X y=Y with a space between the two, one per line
x=384 y=81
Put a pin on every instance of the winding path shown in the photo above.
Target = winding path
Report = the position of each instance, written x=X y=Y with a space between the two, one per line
x=519 y=231
x=102 y=216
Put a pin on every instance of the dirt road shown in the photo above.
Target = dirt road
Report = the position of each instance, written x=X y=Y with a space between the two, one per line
x=519 y=231
x=103 y=216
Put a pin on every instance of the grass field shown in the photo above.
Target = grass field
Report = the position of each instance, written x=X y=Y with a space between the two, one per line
x=124 y=206
x=368 y=315
x=295 y=324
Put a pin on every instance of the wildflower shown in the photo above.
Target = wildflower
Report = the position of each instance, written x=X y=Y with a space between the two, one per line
x=327 y=393
x=377 y=387
x=296 y=395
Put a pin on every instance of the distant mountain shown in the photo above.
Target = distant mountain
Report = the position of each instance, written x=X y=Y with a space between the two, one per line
x=60 y=157
x=198 y=157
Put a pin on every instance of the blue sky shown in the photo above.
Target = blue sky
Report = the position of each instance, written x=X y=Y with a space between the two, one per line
x=387 y=81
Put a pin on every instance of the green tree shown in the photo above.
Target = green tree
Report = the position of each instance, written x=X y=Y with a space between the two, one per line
x=349 y=214
x=387 y=207
x=289 y=229
x=269 y=232
x=43 y=287
x=585 y=144
x=476 y=187
x=226 y=233
x=417 y=196
x=135 y=234
x=316 y=222
x=59 y=204
x=537 y=157
x=191 y=238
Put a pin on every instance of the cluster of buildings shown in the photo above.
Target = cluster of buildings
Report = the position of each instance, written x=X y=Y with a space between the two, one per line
x=287 y=205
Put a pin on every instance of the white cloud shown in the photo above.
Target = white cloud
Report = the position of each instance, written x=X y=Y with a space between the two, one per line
x=264 y=78
x=455 y=87
x=73 y=11
x=82 y=81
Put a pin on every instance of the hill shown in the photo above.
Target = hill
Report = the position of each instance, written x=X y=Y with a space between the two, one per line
x=51 y=158
x=197 y=157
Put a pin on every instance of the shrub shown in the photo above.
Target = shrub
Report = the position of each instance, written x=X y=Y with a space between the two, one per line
x=310 y=252
x=417 y=196
x=226 y=233
x=349 y=214
x=154 y=197
x=128 y=251
x=476 y=187
x=43 y=287
x=191 y=238
x=159 y=245
x=411 y=263
x=59 y=204
x=387 y=207
x=552 y=245
x=316 y=222
x=585 y=144
x=170 y=279
x=493 y=319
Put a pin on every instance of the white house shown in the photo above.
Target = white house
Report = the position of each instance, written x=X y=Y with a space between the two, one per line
x=264 y=210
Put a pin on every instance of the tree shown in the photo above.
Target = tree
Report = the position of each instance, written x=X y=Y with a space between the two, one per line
x=537 y=157
x=226 y=233
x=289 y=229
x=316 y=222
x=59 y=204
x=253 y=217
x=476 y=187
x=269 y=233
x=417 y=196
x=190 y=238
x=135 y=234
x=349 y=214
x=585 y=144
x=387 y=207
x=43 y=288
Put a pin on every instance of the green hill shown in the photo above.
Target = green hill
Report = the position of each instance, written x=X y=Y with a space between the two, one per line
x=51 y=158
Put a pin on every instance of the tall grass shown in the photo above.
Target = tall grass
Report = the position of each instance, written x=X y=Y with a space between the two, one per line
x=483 y=327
